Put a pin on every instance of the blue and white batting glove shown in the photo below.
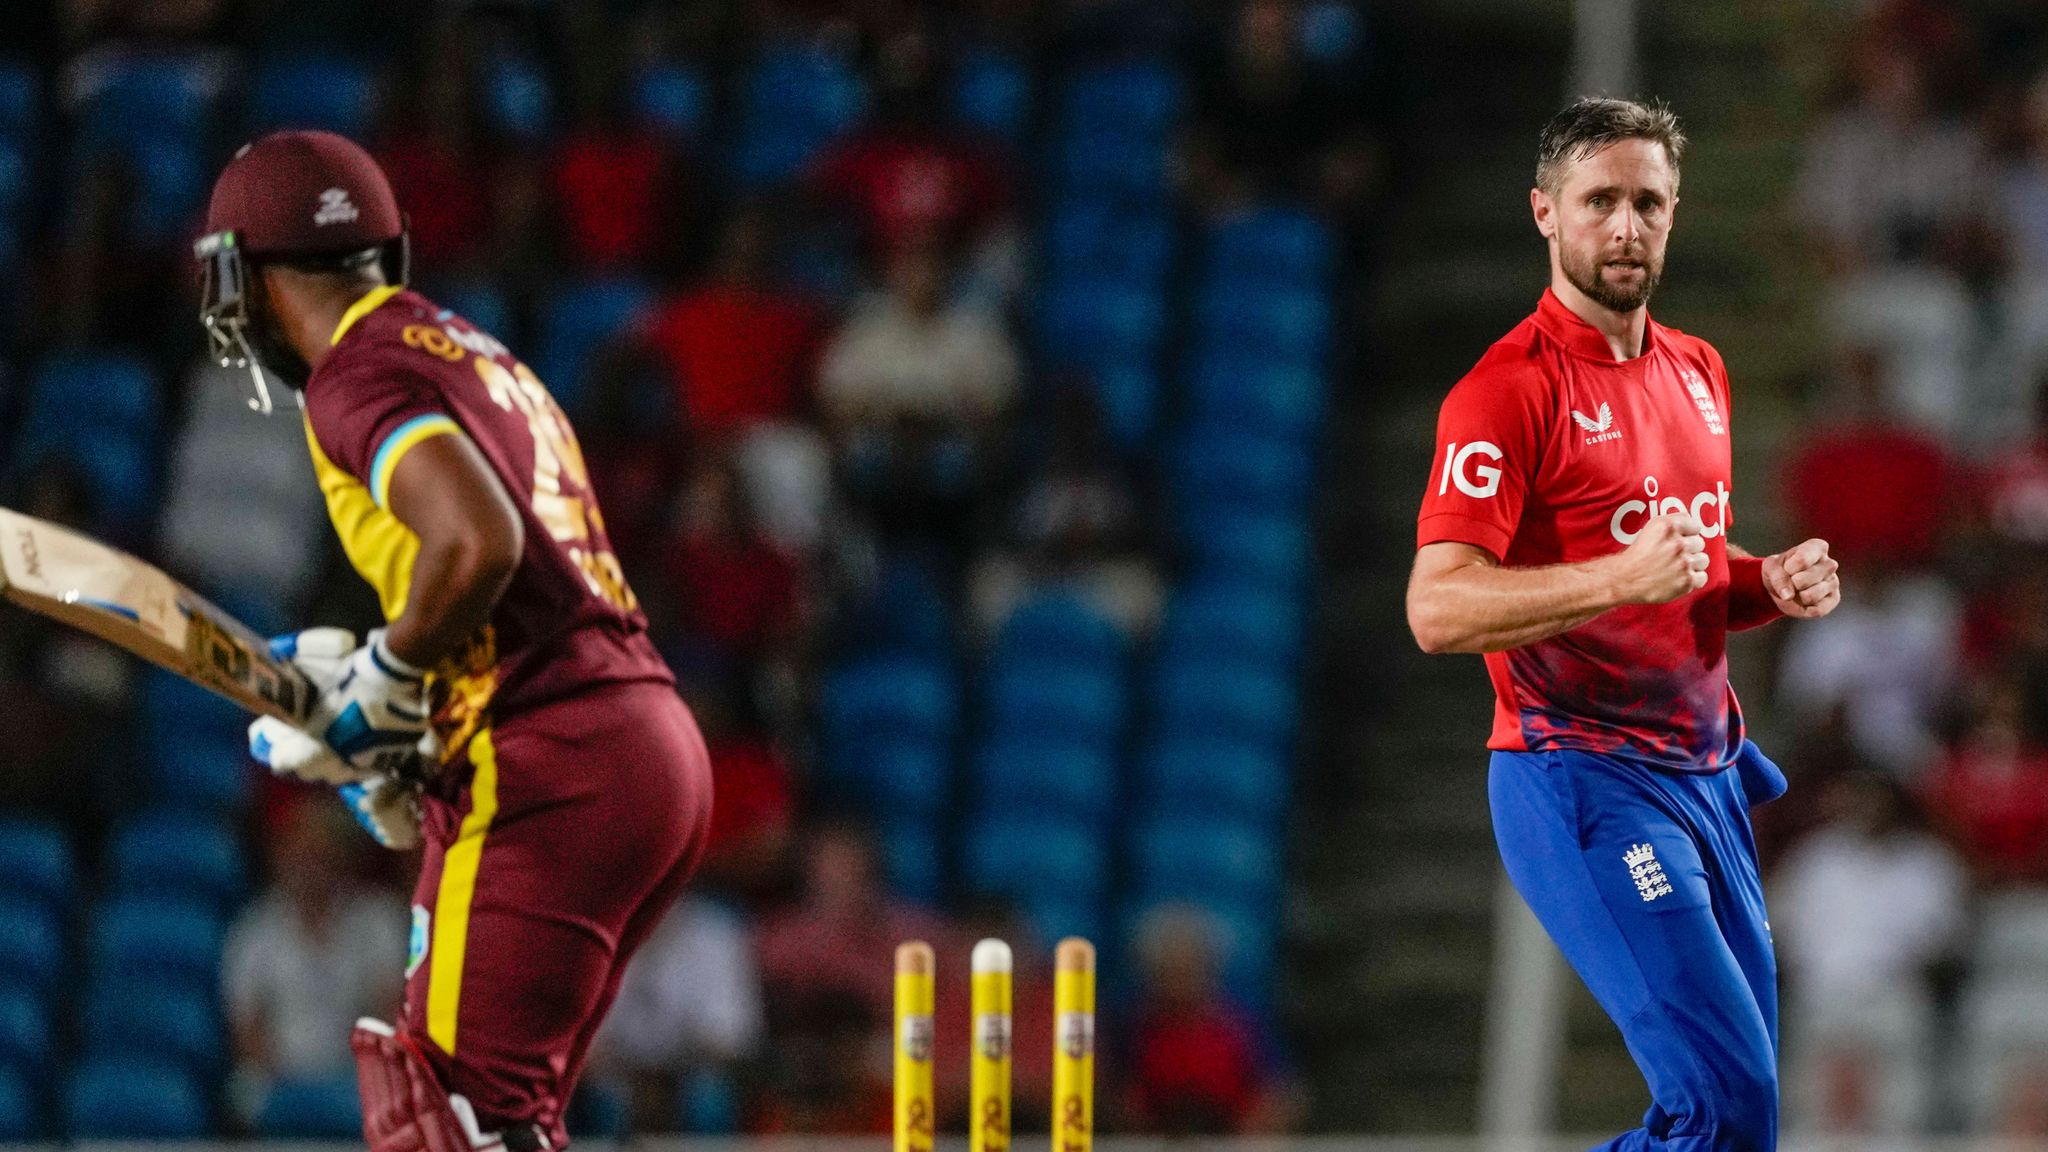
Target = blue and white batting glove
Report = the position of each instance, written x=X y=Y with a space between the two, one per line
x=387 y=809
x=372 y=708
x=292 y=754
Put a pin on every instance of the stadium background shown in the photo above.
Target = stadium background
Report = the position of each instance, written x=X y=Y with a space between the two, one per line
x=1013 y=414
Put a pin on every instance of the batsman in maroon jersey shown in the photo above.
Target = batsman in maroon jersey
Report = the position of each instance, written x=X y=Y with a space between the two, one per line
x=511 y=715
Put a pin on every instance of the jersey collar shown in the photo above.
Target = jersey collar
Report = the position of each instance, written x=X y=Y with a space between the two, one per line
x=1580 y=338
x=361 y=308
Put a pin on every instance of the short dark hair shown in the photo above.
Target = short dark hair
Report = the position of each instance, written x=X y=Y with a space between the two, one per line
x=1591 y=123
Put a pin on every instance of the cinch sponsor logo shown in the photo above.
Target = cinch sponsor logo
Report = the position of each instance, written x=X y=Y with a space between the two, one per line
x=31 y=557
x=1709 y=508
x=1476 y=480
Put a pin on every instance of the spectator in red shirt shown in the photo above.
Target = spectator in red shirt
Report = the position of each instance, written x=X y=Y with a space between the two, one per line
x=830 y=990
x=1876 y=489
x=737 y=593
x=433 y=153
x=1990 y=792
x=1198 y=1064
x=905 y=178
x=616 y=186
x=739 y=349
x=2016 y=484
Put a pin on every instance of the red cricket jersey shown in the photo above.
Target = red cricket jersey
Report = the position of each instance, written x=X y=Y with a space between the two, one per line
x=403 y=370
x=1550 y=451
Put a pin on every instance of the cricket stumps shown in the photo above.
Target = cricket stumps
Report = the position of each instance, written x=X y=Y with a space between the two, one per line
x=1073 y=1058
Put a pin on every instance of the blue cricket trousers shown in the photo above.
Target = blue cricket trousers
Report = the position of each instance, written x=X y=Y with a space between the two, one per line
x=1647 y=880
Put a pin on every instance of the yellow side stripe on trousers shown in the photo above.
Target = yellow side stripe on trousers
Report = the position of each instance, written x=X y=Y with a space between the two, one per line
x=458 y=888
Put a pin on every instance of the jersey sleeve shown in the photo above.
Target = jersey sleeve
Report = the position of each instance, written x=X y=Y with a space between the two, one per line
x=367 y=421
x=1488 y=446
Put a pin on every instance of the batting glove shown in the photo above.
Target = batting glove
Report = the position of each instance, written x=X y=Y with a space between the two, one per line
x=388 y=810
x=292 y=754
x=372 y=707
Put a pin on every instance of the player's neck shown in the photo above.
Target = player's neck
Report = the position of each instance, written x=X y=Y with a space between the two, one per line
x=1623 y=330
x=314 y=321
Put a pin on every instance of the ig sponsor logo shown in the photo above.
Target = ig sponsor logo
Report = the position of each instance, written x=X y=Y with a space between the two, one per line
x=1478 y=481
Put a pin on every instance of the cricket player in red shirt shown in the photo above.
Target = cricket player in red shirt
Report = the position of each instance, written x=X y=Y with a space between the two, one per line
x=1575 y=531
x=511 y=714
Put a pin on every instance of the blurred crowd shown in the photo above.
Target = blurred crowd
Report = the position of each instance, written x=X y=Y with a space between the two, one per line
x=799 y=361
x=1912 y=871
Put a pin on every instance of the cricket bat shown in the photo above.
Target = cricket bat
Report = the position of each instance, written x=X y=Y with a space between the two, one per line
x=75 y=579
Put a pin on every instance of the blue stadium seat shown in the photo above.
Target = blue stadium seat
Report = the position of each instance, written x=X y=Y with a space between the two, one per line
x=482 y=303
x=1205 y=860
x=992 y=94
x=1028 y=859
x=202 y=770
x=179 y=854
x=1271 y=246
x=797 y=100
x=320 y=90
x=156 y=942
x=1214 y=778
x=1272 y=549
x=1129 y=169
x=1036 y=778
x=19 y=1122
x=904 y=611
x=673 y=99
x=1054 y=917
x=1136 y=98
x=912 y=861
x=1049 y=704
x=130 y=1099
x=1258 y=395
x=170 y=187
x=579 y=320
x=24 y=1033
x=73 y=392
x=1089 y=239
x=175 y=1025
x=20 y=98
x=1218 y=468
x=297 y=1108
x=36 y=861
x=1241 y=703
x=1088 y=322
x=14 y=178
x=891 y=697
x=907 y=778
x=1225 y=620
x=1288 y=327
x=196 y=745
x=161 y=97
x=1129 y=393
x=1060 y=629
x=517 y=99
x=32 y=946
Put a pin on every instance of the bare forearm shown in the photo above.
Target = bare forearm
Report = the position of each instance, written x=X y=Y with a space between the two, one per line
x=454 y=588
x=1480 y=608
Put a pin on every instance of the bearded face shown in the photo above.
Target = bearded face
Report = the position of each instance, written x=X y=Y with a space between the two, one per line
x=1609 y=219
x=1620 y=277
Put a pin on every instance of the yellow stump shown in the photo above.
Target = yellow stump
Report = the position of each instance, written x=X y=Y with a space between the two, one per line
x=1073 y=1054
x=990 y=1123
x=914 y=1030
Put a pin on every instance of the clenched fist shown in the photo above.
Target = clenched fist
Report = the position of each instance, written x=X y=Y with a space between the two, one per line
x=1803 y=581
x=1667 y=559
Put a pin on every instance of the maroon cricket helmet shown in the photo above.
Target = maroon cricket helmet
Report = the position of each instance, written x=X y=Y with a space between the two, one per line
x=304 y=194
x=295 y=196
